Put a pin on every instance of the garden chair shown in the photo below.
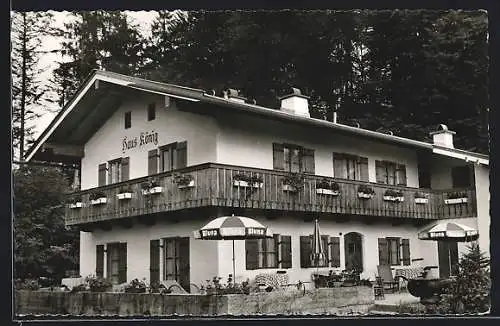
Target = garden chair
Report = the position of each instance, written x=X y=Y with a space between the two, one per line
x=378 y=289
x=384 y=272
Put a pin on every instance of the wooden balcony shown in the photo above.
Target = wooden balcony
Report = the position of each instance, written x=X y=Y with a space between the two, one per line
x=214 y=185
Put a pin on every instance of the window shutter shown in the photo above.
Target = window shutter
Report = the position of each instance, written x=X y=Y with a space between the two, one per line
x=252 y=258
x=101 y=175
x=383 y=257
x=308 y=160
x=305 y=251
x=363 y=169
x=325 y=239
x=153 y=161
x=339 y=168
x=406 y=251
x=181 y=155
x=380 y=170
x=278 y=157
x=109 y=250
x=154 y=261
x=122 y=262
x=99 y=260
x=125 y=169
x=335 y=251
x=401 y=175
x=276 y=238
x=286 y=251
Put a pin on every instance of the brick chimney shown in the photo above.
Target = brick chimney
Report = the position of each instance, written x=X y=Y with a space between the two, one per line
x=295 y=103
x=234 y=95
x=443 y=136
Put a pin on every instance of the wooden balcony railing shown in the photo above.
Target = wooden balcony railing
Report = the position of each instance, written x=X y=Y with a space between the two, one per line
x=215 y=185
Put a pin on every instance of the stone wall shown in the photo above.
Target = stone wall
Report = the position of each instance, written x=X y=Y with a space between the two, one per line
x=322 y=301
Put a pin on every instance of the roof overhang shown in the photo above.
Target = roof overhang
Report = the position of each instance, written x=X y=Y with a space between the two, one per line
x=197 y=95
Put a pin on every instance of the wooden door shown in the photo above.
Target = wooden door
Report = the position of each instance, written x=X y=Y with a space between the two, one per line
x=353 y=251
x=448 y=258
x=177 y=261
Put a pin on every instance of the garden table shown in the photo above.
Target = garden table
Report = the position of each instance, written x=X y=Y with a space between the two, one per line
x=408 y=272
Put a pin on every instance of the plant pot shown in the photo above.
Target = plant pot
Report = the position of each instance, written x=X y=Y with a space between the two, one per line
x=187 y=185
x=289 y=188
x=421 y=200
x=240 y=183
x=362 y=195
x=99 y=201
x=394 y=199
x=455 y=201
x=76 y=205
x=124 y=195
x=323 y=191
x=152 y=191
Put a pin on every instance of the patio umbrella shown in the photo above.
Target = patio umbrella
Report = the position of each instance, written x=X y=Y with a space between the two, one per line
x=318 y=253
x=449 y=231
x=233 y=228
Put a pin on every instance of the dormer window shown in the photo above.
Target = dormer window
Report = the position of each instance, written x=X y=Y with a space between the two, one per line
x=151 y=111
x=128 y=120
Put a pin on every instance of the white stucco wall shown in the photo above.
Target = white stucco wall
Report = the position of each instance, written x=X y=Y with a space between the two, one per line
x=483 y=206
x=170 y=124
x=441 y=171
x=247 y=141
x=203 y=257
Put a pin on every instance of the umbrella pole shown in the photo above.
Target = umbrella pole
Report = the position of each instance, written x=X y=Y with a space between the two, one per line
x=234 y=275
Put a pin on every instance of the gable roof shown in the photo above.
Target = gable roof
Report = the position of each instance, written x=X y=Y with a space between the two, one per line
x=198 y=95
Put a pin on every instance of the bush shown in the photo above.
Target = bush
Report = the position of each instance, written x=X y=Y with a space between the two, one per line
x=136 y=286
x=470 y=293
x=27 y=284
x=98 y=284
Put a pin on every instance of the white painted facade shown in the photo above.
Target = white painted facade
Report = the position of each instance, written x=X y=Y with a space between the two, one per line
x=247 y=141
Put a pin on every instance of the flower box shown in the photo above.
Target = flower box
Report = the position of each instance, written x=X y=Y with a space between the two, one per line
x=151 y=191
x=242 y=183
x=394 y=199
x=322 y=191
x=99 y=201
x=187 y=185
x=421 y=200
x=362 y=195
x=124 y=195
x=454 y=201
x=289 y=188
x=76 y=205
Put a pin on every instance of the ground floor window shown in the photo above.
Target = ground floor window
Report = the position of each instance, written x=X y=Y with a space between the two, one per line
x=273 y=252
x=116 y=262
x=394 y=251
x=331 y=249
x=175 y=260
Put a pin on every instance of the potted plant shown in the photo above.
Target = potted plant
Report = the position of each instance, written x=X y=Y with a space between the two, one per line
x=124 y=192
x=98 y=284
x=421 y=198
x=293 y=182
x=136 y=286
x=242 y=180
x=456 y=198
x=184 y=181
x=327 y=188
x=151 y=187
x=76 y=202
x=97 y=198
x=393 y=195
x=365 y=192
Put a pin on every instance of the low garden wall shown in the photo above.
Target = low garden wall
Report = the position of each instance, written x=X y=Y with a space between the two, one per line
x=322 y=301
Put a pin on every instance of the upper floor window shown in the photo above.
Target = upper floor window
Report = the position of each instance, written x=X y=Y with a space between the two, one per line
x=167 y=158
x=274 y=252
x=293 y=158
x=151 y=111
x=352 y=167
x=114 y=171
x=128 y=119
x=462 y=176
x=390 y=173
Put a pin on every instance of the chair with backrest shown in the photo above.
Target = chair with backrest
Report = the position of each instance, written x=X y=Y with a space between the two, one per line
x=378 y=289
x=384 y=271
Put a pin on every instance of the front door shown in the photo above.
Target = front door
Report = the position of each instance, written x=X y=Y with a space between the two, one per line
x=177 y=261
x=448 y=258
x=353 y=251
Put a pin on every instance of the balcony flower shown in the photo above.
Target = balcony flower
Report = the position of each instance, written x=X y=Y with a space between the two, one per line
x=365 y=192
x=184 y=180
x=242 y=180
x=293 y=182
x=97 y=198
x=456 y=198
x=393 y=195
x=151 y=187
x=327 y=188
